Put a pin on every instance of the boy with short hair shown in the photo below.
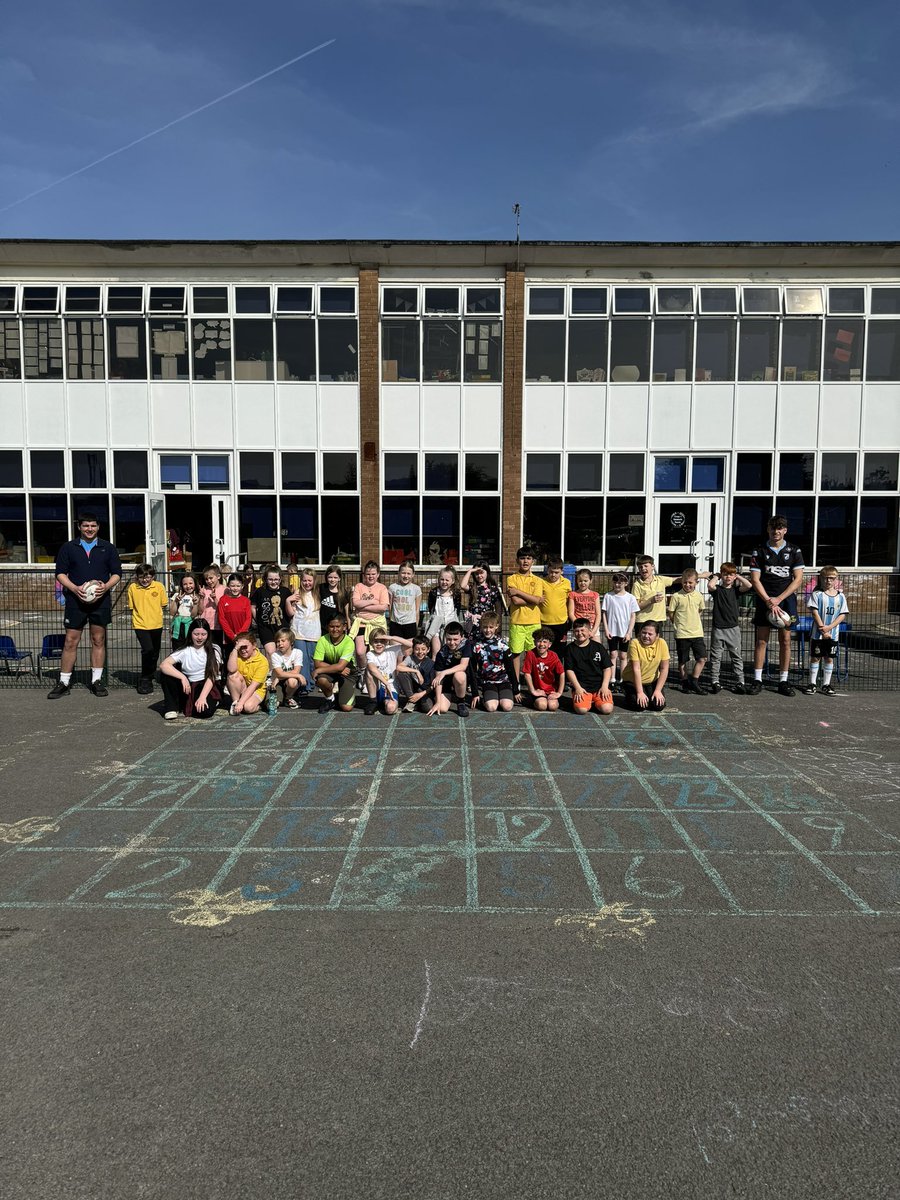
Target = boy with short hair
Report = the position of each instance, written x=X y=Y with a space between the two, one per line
x=525 y=591
x=555 y=603
x=776 y=572
x=828 y=606
x=287 y=663
x=415 y=677
x=332 y=659
x=649 y=589
x=248 y=673
x=588 y=670
x=685 y=609
x=382 y=659
x=452 y=664
x=543 y=672
x=726 y=587
x=493 y=665
x=647 y=670
x=619 y=611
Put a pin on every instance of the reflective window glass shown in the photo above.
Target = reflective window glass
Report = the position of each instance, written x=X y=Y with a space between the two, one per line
x=10 y=350
x=761 y=300
x=588 y=351
x=89 y=468
x=482 y=300
x=440 y=351
x=885 y=300
x=589 y=300
x=754 y=473
x=253 y=350
x=542 y=525
x=82 y=299
x=48 y=469
x=442 y=300
x=299 y=524
x=11 y=474
x=441 y=472
x=211 y=345
x=625 y=529
x=339 y=471
x=626 y=472
x=546 y=301
x=84 y=349
x=836 y=531
x=583 y=529
x=42 y=348
x=585 y=473
x=880 y=472
x=124 y=299
x=718 y=300
x=844 y=339
x=883 y=358
x=338 y=358
x=130 y=469
x=715 y=350
x=758 y=351
x=296 y=350
x=480 y=529
x=632 y=299
x=298 y=470
x=168 y=350
x=482 y=473
x=839 y=472
x=294 y=299
x=629 y=354
x=210 y=299
x=801 y=350
x=542 y=472
x=878 y=525
x=846 y=300
x=545 y=351
x=257 y=469
x=175 y=471
x=400 y=351
x=252 y=300
x=337 y=300
x=670 y=474
x=212 y=472
x=796 y=472
x=672 y=351
x=166 y=299
x=708 y=475
x=483 y=359
x=401 y=472
x=674 y=299
x=126 y=347
x=400 y=300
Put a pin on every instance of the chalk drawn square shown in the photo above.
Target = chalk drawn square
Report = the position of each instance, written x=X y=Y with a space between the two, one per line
x=683 y=794
x=99 y=830
x=648 y=735
x=406 y=880
x=511 y=791
x=150 y=879
x=523 y=882
x=509 y=762
x=778 y=796
x=418 y=789
x=783 y=884
x=874 y=877
x=32 y=878
x=705 y=722
x=202 y=830
x=353 y=735
x=340 y=793
x=660 y=881
x=422 y=763
x=166 y=764
x=146 y=793
x=708 y=741
x=677 y=761
x=520 y=829
x=640 y=832
x=738 y=830
x=428 y=733
x=841 y=832
x=416 y=828
x=578 y=761
x=298 y=879
x=233 y=791
x=603 y=791
x=306 y=829
x=500 y=734
x=343 y=761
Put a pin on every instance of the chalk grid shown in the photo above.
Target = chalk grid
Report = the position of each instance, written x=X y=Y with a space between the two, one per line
x=502 y=814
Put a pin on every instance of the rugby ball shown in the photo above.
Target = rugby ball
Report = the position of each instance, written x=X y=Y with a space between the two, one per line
x=780 y=619
x=90 y=591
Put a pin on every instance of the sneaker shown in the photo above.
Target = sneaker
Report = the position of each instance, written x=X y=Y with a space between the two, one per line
x=715 y=688
x=463 y=710
x=739 y=689
x=754 y=688
x=785 y=689
x=409 y=706
x=809 y=690
x=98 y=689
x=370 y=708
x=693 y=685
x=171 y=715
x=58 y=691
x=828 y=690
x=326 y=707
x=145 y=687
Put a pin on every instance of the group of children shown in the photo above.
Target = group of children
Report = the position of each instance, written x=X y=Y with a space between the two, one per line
x=404 y=654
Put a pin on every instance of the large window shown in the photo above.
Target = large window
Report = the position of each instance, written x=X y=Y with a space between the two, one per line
x=400 y=351
x=629 y=360
x=715 y=350
x=168 y=350
x=801 y=350
x=758 y=351
x=211 y=341
x=127 y=348
x=296 y=349
x=545 y=351
x=673 y=351
x=84 y=349
x=42 y=348
x=588 y=351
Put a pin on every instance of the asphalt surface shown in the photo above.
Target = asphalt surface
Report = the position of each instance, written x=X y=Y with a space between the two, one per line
x=524 y=956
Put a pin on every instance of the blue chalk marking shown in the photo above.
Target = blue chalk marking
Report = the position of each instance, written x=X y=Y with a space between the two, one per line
x=469 y=812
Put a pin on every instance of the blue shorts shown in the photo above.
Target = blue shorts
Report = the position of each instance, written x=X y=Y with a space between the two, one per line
x=384 y=693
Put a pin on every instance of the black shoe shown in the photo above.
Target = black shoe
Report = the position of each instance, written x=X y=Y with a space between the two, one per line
x=145 y=687
x=370 y=708
x=809 y=690
x=98 y=689
x=715 y=688
x=739 y=690
x=785 y=689
x=325 y=707
x=754 y=688
x=58 y=691
x=463 y=710
x=828 y=690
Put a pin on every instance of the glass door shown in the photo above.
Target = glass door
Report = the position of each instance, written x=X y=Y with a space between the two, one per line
x=220 y=528
x=687 y=533
x=156 y=525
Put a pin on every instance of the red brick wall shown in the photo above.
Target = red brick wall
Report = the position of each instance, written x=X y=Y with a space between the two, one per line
x=369 y=431
x=513 y=373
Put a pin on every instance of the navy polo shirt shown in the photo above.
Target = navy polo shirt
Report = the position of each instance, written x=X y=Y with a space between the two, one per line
x=101 y=564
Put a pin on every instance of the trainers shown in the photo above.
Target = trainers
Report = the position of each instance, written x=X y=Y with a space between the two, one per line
x=98 y=689
x=739 y=689
x=409 y=706
x=171 y=715
x=715 y=688
x=785 y=689
x=754 y=688
x=58 y=691
x=325 y=707
x=145 y=687
x=463 y=710
x=809 y=690
x=370 y=708
x=828 y=690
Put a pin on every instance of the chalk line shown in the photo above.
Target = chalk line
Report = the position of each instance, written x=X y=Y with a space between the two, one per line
x=423 y=1011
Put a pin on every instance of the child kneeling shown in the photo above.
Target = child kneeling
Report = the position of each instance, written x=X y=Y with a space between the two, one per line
x=588 y=670
x=248 y=672
x=647 y=669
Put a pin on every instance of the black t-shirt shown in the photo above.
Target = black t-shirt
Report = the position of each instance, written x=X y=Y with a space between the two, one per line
x=328 y=606
x=271 y=608
x=776 y=567
x=588 y=663
x=101 y=564
x=725 y=606
x=446 y=657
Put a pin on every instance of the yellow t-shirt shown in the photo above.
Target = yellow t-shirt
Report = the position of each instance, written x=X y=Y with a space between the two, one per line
x=524 y=614
x=685 y=609
x=646 y=659
x=643 y=591
x=147 y=605
x=255 y=670
x=554 y=608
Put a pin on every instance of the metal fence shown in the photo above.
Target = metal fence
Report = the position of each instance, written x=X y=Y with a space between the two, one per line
x=31 y=630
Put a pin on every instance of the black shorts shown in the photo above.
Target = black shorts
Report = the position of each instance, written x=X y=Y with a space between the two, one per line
x=688 y=646
x=761 y=611
x=822 y=648
x=496 y=691
x=395 y=629
x=77 y=615
x=618 y=643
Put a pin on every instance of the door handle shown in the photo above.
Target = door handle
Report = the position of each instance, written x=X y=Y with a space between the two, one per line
x=695 y=548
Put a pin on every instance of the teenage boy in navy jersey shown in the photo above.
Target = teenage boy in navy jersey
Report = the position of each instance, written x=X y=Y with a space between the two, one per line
x=87 y=559
x=776 y=572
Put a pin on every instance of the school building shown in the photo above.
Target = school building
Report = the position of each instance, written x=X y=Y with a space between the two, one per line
x=343 y=400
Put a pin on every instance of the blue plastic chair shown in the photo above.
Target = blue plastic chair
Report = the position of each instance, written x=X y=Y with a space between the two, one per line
x=9 y=653
x=51 y=649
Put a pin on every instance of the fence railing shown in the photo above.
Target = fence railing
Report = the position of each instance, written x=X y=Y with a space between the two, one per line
x=31 y=613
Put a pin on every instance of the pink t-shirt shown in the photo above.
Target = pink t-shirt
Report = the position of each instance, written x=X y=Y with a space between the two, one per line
x=209 y=604
x=363 y=593
x=585 y=605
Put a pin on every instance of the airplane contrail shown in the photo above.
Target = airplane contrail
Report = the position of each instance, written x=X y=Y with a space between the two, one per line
x=184 y=117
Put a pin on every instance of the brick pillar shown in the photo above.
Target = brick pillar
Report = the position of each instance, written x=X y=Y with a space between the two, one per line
x=369 y=433
x=513 y=375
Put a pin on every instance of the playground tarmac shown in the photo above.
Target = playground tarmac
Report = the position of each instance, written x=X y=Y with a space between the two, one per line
x=525 y=955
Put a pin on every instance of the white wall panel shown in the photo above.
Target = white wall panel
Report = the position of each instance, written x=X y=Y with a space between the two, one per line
x=170 y=415
x=542 y=416
x=840 y=409
x=12 y=413
x=482 y=416
x=755 y=407
x=628 y=409
x=45 y=412
x=296 y=406
x=339 y=416
x=798 y=416
x=86 y=413
x=713 y=416
x=670 y=416
x=881 y=416
x=441 y=416
x=254 y=415
x=586 y=417
x=129 y=415
x=400 y=423
x=213 y=415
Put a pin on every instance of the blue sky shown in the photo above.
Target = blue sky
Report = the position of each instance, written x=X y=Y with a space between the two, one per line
x=631 y=120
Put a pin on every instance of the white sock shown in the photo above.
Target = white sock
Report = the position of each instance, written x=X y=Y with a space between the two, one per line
x=814 y=672
x=758 y=674
x=96 y=674
x=826 y=674
x=65 y=678
x=784 y=676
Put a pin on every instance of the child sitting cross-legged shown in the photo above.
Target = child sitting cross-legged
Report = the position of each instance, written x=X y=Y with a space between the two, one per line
x=382 y=659
x=588 y=670
x=287 y=663
x=415 y=677
x=248 y=671
x=494 y=667
x=543 y=674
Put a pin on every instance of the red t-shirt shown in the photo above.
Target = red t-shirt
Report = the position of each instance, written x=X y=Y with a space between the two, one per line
x=544 y=672
x=234 y=615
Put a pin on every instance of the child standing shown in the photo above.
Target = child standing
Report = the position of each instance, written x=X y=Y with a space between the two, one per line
x=183 y=608
x=248 y=671
x=484 y=594
x=555 y=603
x=543 y=672
x=494 y=668
x=333 y=661
x=649 y=589
x=588 y=670
x=829 y=609
x=725 y=587
x=583 y=602
x=619 y=609
x=333 y=596
x=287 y=669
x=525 y=592
x=444 y=603
x=269 y=605
x=382 y=659
x=306 y=626
x=235 y=614
x=415 y=677
x=369 y=603
x=685 y=608
x=148 y=601
x=406 y=599
x=210 y=594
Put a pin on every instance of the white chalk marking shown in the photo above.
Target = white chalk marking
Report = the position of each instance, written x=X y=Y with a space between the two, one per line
x=423 y=1011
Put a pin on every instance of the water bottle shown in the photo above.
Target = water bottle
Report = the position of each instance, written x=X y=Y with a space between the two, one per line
x=272 y=703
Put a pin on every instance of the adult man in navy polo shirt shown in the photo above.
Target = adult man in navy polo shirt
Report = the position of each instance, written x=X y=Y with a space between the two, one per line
x=86 y=559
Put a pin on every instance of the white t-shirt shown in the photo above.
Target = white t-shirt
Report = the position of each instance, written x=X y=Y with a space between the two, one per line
x=306 y=625
x=287 y=662
x=405 y=601
x=386 y=661
x=192 y=662
x=618 y=607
